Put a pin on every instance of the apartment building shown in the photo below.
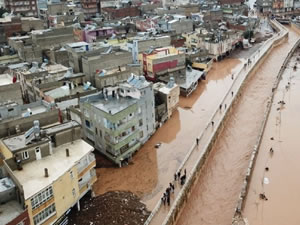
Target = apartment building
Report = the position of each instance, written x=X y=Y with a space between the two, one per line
x=112 y=58
x=162 y=61
x=119 y=119
x=91 y=8
x=9 y=89
x=22 y=7
x=168 y=94
x=51 y=168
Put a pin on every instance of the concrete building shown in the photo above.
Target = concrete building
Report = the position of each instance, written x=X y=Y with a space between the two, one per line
x=93 y=64
x=168 y=94
x=91 y=8
x=119 y=119
x=112 y=13
x=218 y=43
x=264 y=6
x=141 y=44
x=10 y=89
x=48 y=165
x=162 y=61
x=115 y=76
x=16 y=118
x=22 y=7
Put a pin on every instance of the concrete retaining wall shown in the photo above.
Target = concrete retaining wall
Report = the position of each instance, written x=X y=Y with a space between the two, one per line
x=247 y=179
x=184 y=193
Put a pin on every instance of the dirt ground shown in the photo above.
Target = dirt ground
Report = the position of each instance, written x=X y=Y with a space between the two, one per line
x=111 y=208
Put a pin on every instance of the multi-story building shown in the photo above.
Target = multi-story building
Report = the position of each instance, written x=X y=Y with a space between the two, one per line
x=264 y=6
x=162 y=61
x=51 y=168
x=22 y=7
x=119 y=119
x=168 y=94
x=91 y=8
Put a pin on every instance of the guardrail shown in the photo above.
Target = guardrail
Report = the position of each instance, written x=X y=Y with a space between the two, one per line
x=229 y=98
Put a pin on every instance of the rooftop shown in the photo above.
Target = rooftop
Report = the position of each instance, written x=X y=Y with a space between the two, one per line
x=66 y=91
x=32 y=176
x=9 y=211
x=114 y=105
x=5 y=79
x=15 y=143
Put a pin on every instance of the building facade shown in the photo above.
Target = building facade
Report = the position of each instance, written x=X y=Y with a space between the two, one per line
x=22 y=7
x=52 y=169
x=119 y=119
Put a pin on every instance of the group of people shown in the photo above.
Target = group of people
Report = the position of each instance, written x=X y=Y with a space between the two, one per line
x=166 y=199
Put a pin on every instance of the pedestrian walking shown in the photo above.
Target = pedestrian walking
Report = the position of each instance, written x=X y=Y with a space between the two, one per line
x=212 y=123
x=197 y=141
x=168 y=200
x=225 y=106
x=232 y=77
x=220 y=107
x=178 y=174
x=163 y=200
x=232 y=93
x=175 y=176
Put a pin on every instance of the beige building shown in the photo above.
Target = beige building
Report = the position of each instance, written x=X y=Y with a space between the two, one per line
x=169 y=94
x=52 y=169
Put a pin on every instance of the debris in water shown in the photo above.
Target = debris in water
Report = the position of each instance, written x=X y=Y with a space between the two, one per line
x=157 y=145
x=266 y=180
x=263 y=196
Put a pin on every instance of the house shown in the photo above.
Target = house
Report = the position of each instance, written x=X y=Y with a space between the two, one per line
x=119 y=119
x=162 y=61
x=47 y=165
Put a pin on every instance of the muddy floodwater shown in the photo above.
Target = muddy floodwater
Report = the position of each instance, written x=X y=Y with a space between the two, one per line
x=152 y=169
x=215 y=194
x=277 y=174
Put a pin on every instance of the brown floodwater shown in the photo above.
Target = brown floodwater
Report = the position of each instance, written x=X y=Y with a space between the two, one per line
x=215 y=194
x=282 y=181
x=152 y=169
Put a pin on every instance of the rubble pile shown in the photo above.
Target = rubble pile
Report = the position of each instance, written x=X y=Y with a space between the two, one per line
x=117 y=207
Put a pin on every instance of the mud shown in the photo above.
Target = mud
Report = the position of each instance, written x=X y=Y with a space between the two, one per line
x=282 y=188
x=216 y=192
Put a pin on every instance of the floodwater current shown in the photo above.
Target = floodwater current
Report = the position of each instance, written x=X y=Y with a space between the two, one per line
x=215 y=194
x=276 y=174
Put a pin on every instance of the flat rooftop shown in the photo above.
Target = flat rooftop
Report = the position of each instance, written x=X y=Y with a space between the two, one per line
x=113 y=105
x=17 y=142
x=58 y=127
x=65 y=91
x=9 y=211
x=5 y=79
x=32 y=176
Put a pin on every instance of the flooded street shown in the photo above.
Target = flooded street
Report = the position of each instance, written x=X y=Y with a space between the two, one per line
x=215 y=194
x=152 y=169
x=282 y=183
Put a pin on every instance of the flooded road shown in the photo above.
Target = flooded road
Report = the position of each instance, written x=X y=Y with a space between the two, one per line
x=152 y=169
x=282 y=183
x=215 y=194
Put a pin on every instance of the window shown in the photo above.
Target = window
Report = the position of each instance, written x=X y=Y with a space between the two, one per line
x=87 y=123
x=96 y=131
x=141 y=122
x=44 y=214
x=25 y=155
x=73 y=192
x=41 y=197
x=11 y=109
x=133 y=128
x=141 y=134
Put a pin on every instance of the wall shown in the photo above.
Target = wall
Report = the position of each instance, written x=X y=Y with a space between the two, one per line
x=46 y=118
